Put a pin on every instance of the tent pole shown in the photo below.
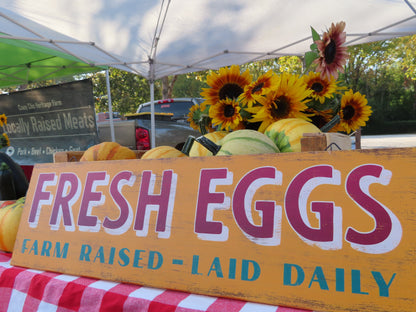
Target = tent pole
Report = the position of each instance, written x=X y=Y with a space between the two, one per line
x=152 y=106
x=110 y=106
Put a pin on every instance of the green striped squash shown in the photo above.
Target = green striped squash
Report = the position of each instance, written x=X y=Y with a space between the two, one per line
x=198 y=149
x=246 y=141
x=286 y=133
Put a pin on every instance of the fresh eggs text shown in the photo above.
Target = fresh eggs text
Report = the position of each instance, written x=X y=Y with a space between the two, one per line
x=384 y=237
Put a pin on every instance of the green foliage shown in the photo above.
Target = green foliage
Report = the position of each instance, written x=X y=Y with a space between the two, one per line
x=379 y=71
x=128 y=91
x=189 y=85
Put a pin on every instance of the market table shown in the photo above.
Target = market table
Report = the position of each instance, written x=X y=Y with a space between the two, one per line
x=23 y=289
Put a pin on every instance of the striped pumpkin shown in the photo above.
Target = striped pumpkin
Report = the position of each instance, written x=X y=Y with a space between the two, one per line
x=286 y=133
x=246 y=141
x=9 y=223
x=108 y=151
x=162 y=152
x=198 y=149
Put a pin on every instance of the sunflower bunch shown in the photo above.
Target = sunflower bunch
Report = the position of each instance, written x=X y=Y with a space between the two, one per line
x=235 y=101
x=4 y=139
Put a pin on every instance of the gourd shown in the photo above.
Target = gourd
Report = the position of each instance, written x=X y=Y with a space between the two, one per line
x=198 y=149
x=108 y=151
x=287 y=133
x=20 y=182
x=163 y=151
x=9 y=223
x=246 y=141
x=7 y=189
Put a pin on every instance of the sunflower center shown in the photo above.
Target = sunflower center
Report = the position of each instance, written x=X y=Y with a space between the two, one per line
x=230 y=91
x=280 y=107
x=317 y=87
x=330 y=52
x=258 y=87
x=229 y=111
x=348 y=112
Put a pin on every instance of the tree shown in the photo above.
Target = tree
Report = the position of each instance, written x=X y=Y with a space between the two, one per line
x=128 y=91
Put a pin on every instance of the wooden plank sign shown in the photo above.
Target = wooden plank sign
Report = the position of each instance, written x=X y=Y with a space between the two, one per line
x=329 y=231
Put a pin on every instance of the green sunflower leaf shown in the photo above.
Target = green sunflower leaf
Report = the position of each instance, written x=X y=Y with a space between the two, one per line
x=315 y=35
x=310 y=56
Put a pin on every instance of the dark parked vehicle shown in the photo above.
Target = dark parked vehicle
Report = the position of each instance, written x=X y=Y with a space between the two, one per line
x=171 y=125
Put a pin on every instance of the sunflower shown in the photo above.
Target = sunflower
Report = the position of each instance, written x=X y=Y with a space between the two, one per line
x=319 y=118
x=287 y=101
x=226 y=115
x=264 y=84
x=228 y=84
x=198 y=118
x=332 y=55
x=354 y=111
x=3 y=120
x=322 y=87
x=4 y=140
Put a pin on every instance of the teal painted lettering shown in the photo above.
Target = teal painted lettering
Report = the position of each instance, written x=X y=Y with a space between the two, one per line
x=232 y=269
x=100 y=255
x=137 y=258
x=245 y=268
x=195 y=264
x=58 y=253
x=216 y=266
x=46 y=249
x=34 y=248
x=124 y=257
x=339 y=279
x=318 y=276
x=24 y=248
x=151 y=265
x=287 y=275
x=383 y=288
x=112 y=254
x=84 y=255
x=356 y=282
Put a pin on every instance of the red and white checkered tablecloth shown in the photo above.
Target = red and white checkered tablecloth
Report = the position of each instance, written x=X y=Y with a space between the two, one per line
x=27 y=290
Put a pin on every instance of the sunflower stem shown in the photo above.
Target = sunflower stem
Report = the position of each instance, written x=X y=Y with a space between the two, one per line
x=202 y=128
x=330 y=124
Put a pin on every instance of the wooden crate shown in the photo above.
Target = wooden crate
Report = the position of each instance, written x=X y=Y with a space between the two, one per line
x=74 y=156
x=325 y=142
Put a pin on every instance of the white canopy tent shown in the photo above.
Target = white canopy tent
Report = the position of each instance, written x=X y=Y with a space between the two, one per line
x=157 y=38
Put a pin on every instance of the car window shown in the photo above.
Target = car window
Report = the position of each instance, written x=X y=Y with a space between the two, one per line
x=178 y=108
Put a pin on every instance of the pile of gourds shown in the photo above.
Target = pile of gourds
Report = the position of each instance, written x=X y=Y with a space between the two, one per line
x=281 y=136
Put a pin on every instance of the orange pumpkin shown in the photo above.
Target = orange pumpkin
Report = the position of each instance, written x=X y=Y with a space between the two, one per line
x=9 y=223
x=162 y=152
x=108 y=151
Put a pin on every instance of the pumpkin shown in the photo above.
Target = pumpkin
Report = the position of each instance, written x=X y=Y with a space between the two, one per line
x=246 y=141
x=162 y=151
x=198 y=149
x=286 y=133
x=108 y=151
x=9 y=223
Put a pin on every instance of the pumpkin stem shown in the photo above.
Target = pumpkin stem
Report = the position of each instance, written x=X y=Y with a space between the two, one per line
x=209 y=145
x=188 y=145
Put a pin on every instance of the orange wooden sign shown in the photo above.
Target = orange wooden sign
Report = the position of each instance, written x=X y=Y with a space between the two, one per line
x=329 y=231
